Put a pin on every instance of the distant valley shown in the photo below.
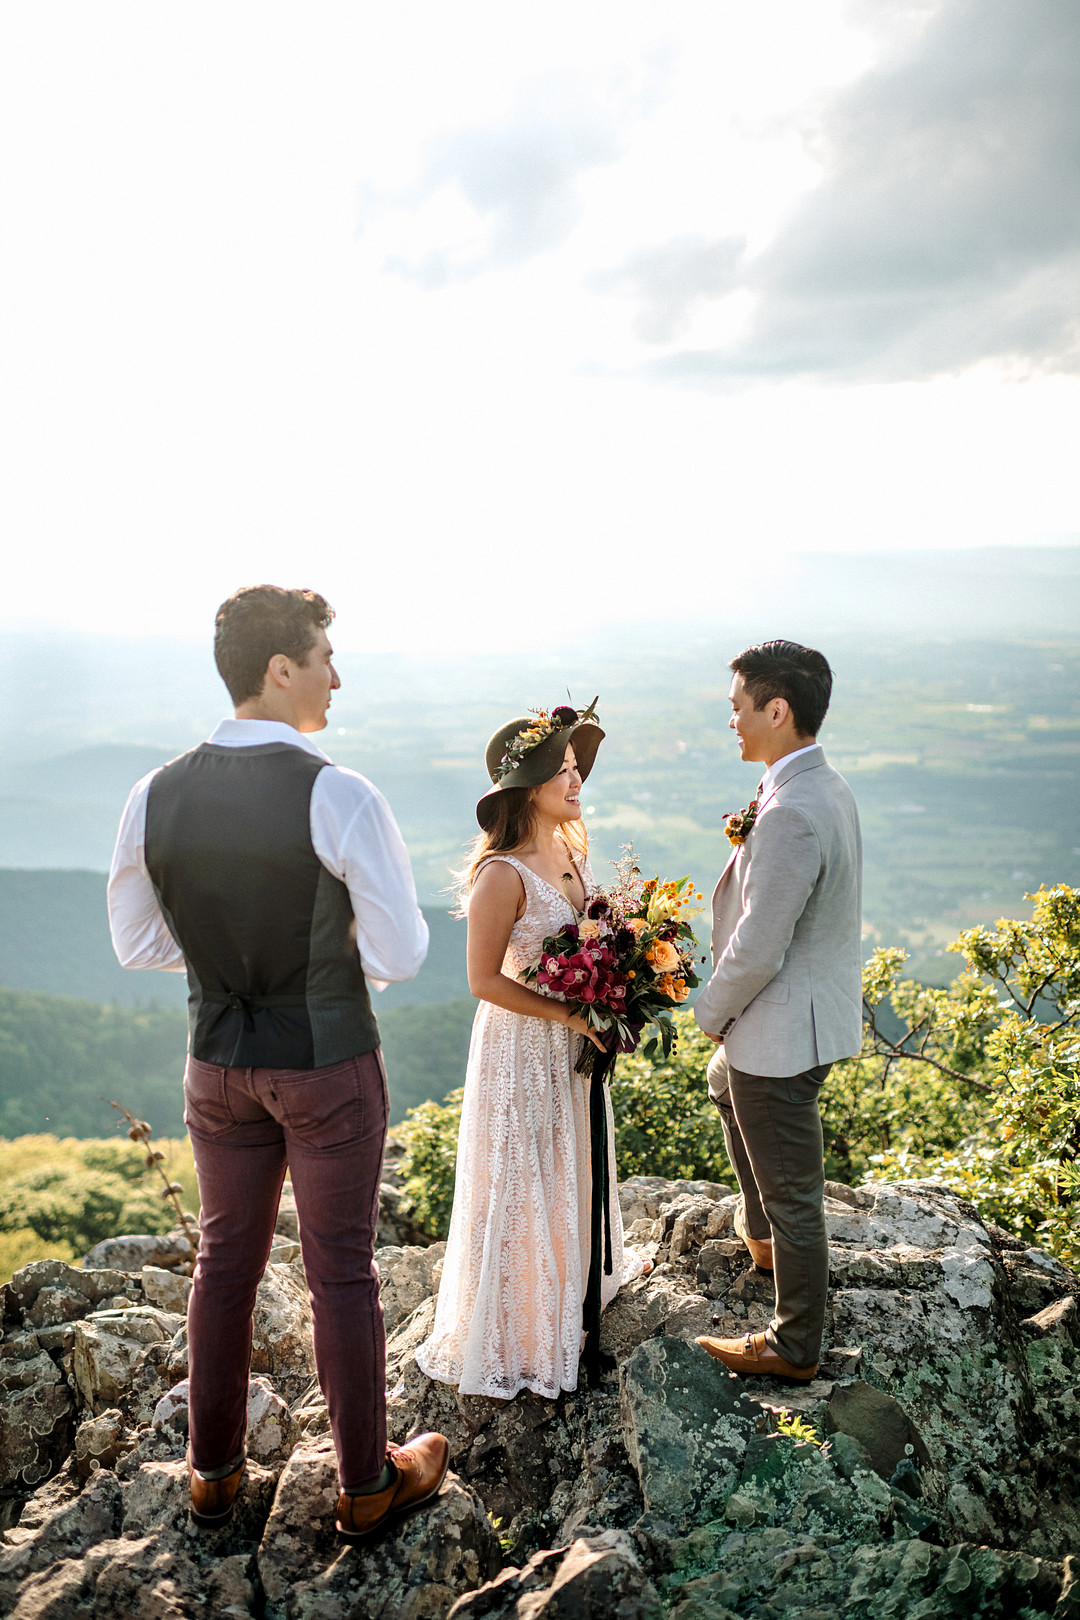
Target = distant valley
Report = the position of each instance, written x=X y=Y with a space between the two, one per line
x=963 y=751
x=55 y=937
x=964 y=756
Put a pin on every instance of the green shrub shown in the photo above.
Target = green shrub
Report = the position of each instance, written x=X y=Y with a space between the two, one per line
x=665 y=1124
x=1005 y=1036
x=59 y=1196
x=19 y=1247
x=430 y=1134
x=80 y=1208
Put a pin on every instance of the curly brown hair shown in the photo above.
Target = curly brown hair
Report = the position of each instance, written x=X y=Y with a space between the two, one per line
x=258 y=621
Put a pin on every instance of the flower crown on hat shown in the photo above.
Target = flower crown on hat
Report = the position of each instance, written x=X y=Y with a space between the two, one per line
x=539 y=730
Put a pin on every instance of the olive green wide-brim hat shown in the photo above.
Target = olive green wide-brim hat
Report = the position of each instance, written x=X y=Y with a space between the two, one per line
x=537 y=763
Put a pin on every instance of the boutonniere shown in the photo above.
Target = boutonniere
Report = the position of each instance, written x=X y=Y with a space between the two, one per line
x=738 y=823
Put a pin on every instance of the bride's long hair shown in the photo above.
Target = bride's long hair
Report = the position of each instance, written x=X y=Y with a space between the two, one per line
x=513 y=826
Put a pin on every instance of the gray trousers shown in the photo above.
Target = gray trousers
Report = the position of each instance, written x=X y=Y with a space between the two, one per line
x=772 y=1128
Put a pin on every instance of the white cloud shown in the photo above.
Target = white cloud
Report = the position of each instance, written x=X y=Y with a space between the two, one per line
x=211 y=376
x=946 y=229
x=518 y=176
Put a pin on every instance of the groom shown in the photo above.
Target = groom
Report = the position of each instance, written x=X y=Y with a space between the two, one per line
x=785 y=998
x=279 y=880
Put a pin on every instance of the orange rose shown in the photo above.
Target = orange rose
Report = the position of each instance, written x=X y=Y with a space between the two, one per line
x=589 y=928
x=637 y=926
x=663 y=956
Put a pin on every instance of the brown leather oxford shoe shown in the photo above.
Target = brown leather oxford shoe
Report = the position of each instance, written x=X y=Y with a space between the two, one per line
x=421 y=1468
x=213 y=1500
x=760 y=1248
x=754 y=1357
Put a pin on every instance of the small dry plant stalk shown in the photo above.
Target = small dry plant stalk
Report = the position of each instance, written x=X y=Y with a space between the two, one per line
x=139 y=1131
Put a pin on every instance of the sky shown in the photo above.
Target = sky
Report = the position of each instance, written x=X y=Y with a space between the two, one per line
x=492 y=319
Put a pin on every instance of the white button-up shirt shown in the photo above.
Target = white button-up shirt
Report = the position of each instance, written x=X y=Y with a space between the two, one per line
x=354 y=835
x=777 y=766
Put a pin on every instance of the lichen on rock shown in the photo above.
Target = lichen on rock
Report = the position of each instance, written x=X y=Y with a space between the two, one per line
x=931 y=1468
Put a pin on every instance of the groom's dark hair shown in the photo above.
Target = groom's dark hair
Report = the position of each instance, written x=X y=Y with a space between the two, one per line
x=784 y=669
x=258 y=621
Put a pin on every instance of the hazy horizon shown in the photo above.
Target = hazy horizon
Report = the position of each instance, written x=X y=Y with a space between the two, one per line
x=616 y=314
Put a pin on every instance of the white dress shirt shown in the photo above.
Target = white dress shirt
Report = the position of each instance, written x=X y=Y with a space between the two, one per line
x=353 y=833
x=777 y=766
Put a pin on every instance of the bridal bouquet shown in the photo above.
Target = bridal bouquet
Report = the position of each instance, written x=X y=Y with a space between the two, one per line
x=627 y=963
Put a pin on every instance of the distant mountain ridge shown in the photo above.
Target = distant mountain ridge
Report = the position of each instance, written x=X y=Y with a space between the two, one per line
x=61 y=1059
x=1013 y=590
x=54 y=938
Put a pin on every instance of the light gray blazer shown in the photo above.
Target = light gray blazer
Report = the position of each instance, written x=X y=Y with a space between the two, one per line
x=786 y=989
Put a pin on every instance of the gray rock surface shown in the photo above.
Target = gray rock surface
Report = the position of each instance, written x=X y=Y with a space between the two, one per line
x=931 y=1468
x=110 y=1348
x=599 y=1574
x=418 y=1571
x=282 y=1346
x=37 y=1416
x=132 y=1253
x=686 y=1423
x=408 y=1275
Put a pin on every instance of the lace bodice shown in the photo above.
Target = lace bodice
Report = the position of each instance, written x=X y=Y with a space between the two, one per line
x=546 y=912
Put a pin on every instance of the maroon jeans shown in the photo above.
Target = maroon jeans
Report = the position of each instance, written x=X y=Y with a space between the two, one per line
x=328 y=1126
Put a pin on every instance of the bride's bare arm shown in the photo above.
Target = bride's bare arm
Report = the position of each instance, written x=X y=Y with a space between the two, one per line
x=496 y=902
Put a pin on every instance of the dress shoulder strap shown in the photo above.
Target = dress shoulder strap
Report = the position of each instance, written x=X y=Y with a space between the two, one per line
x=510 y=860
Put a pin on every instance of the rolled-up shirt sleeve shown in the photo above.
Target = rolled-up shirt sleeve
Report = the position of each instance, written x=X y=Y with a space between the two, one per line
x=140 y=934
x=354 y=834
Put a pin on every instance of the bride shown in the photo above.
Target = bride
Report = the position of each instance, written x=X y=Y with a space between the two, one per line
x=509 y=1311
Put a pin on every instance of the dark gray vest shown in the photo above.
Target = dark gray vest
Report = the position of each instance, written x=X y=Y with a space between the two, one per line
x=268 y=933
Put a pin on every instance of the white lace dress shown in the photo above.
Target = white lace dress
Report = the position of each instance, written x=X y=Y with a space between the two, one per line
x=517 y=1259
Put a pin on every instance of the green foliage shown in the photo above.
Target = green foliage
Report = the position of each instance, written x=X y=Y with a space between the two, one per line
x=430 y=1134
x=58 y=1057
x=18 y=1248
x=115 y=1159
x=1005 y=1037
x=80 y=1208
x=665 y=1124
x=872 y=1107
x=58 y=1197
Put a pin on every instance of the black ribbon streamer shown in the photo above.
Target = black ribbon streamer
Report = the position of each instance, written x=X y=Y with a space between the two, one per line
x=600 y=1246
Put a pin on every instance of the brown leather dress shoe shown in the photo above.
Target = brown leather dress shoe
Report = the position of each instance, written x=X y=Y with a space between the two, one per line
x=754 y=1356
x=760 y=1248
x=212 y=1500
x=421 y=1468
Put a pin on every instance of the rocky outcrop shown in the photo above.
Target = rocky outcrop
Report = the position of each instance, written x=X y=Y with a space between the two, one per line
x=931 y=1468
